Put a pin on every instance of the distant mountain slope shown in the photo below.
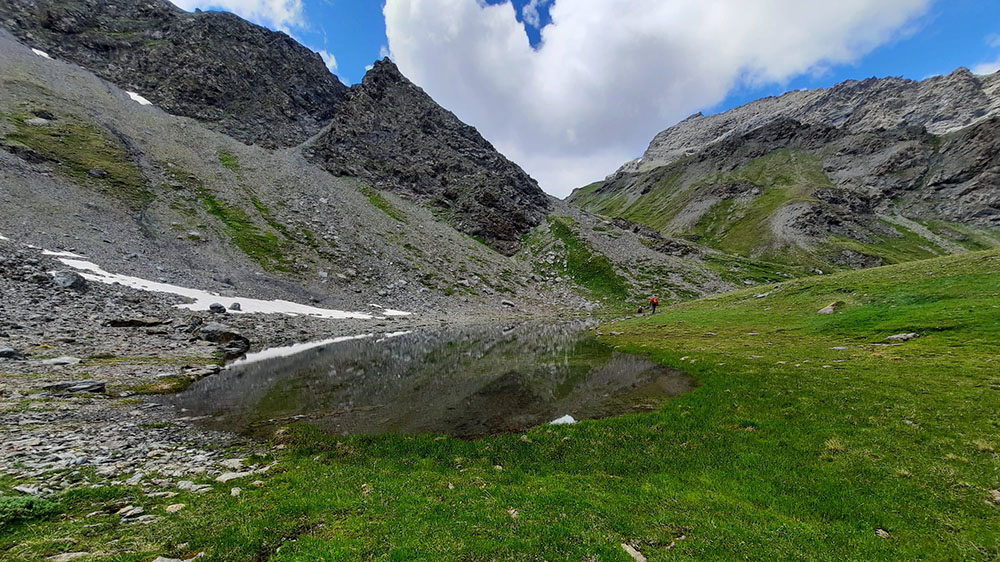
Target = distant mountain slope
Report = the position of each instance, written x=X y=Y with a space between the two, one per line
x=251 y=83
x=849 y=193
x=391 y=133
x=941 y=104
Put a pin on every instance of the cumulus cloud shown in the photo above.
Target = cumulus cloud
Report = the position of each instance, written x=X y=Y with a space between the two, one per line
x=609 y=74
x=989 y=67
x=329 y=59
x=529 y=13
x=277 y=14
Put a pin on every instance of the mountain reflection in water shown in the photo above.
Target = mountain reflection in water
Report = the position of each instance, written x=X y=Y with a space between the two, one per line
x=466 y=381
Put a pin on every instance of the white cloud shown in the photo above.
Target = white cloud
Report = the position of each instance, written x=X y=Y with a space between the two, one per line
x=611 y=73
x=383 y=52
x=277 y=14
x=987 y=67
x=993 y=40
x=329 y=59
x=529 y=13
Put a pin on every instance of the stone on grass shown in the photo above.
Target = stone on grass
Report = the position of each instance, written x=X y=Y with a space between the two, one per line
x=72 y=387
x=903 y=337
x=67 y=556
x=993 y=498
x=235 y=492
x=232 y=464
x=881 y=533
x=227 y=476
x=174 y=508
x=565 y=420
x=65 y=360
x=635 y=554
x=828 y=309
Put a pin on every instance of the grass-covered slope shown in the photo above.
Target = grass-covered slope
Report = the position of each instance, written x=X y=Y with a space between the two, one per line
x=807 y=438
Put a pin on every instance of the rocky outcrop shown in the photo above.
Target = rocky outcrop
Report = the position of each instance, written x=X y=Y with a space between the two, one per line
x=251 y=83
x=392 y=134
x=941 y=104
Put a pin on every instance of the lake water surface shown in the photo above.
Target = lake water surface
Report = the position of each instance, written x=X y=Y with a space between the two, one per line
x=466 y=381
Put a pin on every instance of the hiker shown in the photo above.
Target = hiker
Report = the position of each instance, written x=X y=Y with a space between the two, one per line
x=653 y=303
x=640 y=309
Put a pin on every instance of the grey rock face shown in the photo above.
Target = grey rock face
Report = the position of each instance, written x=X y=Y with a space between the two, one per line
x=391 y=133
x=941 y=104
x=69 y=280
x=72 y=387
x=244 y=80
x=233 y=345
x=10 y=353
x=865 y=180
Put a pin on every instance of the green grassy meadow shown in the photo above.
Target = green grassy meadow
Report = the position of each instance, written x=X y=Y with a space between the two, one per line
x=809 y=437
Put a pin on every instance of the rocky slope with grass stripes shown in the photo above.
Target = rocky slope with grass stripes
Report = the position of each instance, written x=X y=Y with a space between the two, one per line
x=856 y=187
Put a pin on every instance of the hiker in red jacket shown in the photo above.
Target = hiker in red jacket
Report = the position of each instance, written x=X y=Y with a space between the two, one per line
x=653 y=303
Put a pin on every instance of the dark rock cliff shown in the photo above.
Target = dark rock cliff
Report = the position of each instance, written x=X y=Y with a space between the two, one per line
x=391 y=133
x=251 y=83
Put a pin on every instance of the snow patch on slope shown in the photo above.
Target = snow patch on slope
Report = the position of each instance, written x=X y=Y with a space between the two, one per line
x=139 y=99
x=202 y=299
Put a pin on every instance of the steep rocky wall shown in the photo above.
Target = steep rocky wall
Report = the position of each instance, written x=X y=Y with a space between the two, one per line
x=251 y=83
x=391 y=133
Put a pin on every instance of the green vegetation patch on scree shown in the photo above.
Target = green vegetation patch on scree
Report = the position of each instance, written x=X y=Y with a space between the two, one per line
x=86 y=153
x=381 y=203
x=588 y=268
x=806 y=439
x=229 y=160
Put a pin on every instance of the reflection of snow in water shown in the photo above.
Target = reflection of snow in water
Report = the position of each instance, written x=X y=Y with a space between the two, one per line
x=202 y=299
x=41 y=53
x=139 y=99
x=295 y=349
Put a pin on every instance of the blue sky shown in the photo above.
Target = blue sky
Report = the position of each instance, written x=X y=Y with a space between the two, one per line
x=571 y=89
x=955 y=33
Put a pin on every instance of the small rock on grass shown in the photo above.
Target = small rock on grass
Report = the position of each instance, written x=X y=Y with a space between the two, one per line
x=174 y=508
x=235 y=492
x=993 y=498
x=881 y=533
x=227 y=476
x=828 y=309
x=67 y=556
x=65 y=360
x=903 y=337
x=635 y=554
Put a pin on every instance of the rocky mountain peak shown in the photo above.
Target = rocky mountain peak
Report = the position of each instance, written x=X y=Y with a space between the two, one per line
x=389 y=132
x=941 y=104
x=251 y=83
